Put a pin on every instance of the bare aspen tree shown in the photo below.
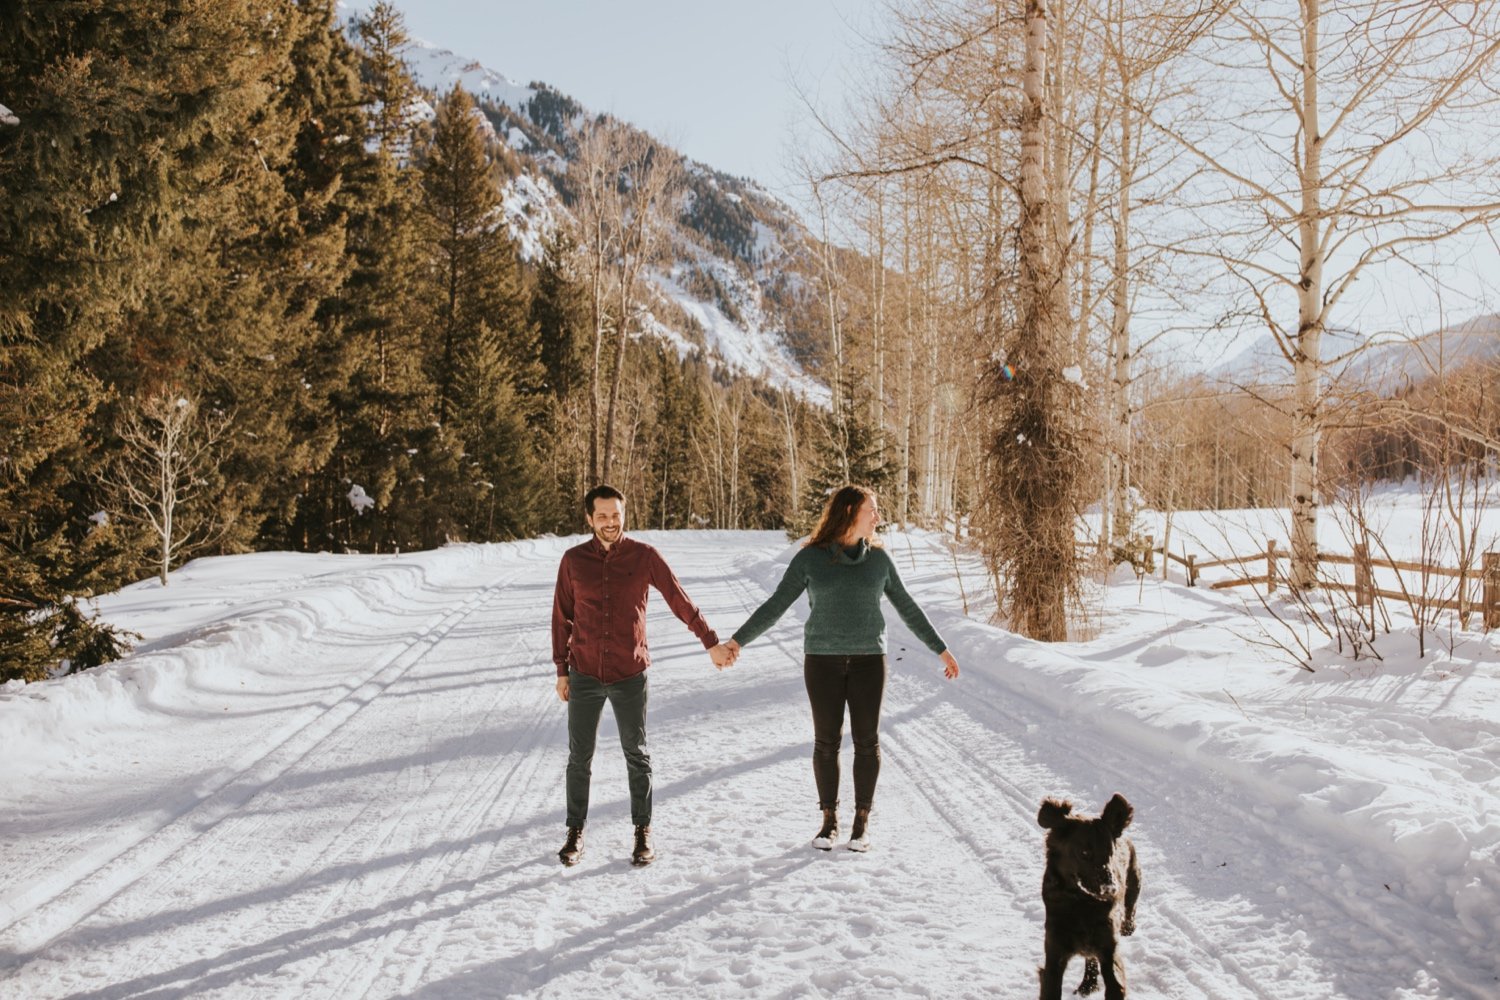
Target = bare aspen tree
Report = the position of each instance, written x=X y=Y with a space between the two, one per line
x=832 y=281
x=648 y=174
x=1451 y=413
x=1138 y=42
x=625 y=179
x=161 y=474
x=787 y=410
x=1350 y=133
x=596 y=169
x=719 y=446
x=912 y=158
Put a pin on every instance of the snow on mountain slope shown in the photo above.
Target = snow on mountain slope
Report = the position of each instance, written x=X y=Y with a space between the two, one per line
x=1382 y=360
x=751 y=242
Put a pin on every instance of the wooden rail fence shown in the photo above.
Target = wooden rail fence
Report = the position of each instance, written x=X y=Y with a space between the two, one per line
x=1363 y=588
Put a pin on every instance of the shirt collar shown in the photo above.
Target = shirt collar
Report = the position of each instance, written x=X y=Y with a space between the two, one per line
x=598 y=547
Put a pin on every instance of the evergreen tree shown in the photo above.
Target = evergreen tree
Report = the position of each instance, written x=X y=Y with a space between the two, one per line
x=851 y=450
x=138 y=132
x=473 y=273
x=328 y=176
x=234 y=316
x=676 y=468
x=560 y=316
x=560 y=313
x=382 y=404
x=389 y=87
x=387 y=403
x=499 y=475
x=481 y=343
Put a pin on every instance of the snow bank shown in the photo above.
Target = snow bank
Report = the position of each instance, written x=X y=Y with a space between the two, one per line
x=215 y=626
x=1361 y=777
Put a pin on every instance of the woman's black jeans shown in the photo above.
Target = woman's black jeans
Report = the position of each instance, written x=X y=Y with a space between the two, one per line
x=832 y=683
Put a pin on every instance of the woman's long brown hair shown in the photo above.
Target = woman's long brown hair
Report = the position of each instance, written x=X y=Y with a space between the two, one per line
x=838 y=515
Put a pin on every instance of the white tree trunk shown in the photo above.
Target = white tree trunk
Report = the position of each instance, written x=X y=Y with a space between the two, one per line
x=1307 y=358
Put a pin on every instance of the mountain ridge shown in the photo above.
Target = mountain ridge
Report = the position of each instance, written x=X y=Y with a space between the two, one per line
x=736 y=288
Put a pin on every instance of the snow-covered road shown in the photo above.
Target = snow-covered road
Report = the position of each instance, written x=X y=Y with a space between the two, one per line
x=293 y=792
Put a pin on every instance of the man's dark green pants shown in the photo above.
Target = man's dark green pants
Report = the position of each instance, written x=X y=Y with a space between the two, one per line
x=586 y=698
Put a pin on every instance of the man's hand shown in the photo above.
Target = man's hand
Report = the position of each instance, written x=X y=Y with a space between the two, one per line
x=562 y=688
x=724 y=654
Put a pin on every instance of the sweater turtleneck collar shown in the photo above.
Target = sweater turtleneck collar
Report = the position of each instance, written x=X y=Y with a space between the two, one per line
x=851 y=554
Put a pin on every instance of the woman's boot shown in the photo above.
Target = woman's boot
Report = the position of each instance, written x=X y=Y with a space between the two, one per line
x=859 y=837
x=830 y=831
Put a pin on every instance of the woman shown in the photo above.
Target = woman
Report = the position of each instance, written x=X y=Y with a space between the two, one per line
x=844 y=571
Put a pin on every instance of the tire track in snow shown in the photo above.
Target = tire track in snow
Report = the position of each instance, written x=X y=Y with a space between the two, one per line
x=59 y=907
x=316 y=926
x=400 y=934
x=1225 y=829
x=953 y=763
x=429 y=944
x=409 y=952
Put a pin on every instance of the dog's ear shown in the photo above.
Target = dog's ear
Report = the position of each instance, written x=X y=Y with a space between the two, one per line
x=1118 y=814
x=1053 y=811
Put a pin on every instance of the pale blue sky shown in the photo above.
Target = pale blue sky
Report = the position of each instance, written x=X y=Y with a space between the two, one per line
x=716 y=80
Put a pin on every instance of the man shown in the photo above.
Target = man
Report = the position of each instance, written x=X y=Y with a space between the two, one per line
x=599 y=648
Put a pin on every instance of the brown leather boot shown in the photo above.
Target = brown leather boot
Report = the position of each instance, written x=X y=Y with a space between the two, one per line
x=830 y=831
x=573 y=849
x=643 y=854
x=859 y=837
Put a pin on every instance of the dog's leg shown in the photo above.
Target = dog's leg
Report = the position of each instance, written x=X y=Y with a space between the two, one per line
x=1132 y=893
x=1090 y=977
x=1052 y=973
x=1113 y=967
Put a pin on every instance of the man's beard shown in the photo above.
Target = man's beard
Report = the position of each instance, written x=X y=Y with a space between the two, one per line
x=608 y=534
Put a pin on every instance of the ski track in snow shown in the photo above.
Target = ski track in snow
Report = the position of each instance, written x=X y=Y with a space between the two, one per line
x=389 y=827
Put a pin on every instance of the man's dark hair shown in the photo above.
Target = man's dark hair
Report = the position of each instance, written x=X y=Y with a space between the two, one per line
x=601 y=492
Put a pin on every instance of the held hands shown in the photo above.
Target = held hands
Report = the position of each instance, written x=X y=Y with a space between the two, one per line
x=950 y=665
x=724 y=654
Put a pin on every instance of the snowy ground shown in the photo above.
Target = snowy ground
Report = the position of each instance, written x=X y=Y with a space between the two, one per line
x=327 y=776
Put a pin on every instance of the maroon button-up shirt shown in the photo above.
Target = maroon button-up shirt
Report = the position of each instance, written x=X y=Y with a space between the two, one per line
x=599 y=608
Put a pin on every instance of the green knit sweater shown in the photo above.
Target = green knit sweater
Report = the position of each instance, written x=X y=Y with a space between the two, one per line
x=843 y=591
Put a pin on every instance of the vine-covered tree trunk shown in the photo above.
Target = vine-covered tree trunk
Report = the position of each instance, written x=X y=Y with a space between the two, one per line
x=1036 y=466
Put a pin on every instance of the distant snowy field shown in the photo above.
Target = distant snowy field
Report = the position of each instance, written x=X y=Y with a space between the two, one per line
x=340 y=776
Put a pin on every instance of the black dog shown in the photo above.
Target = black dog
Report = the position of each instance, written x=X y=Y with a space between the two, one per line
x=1089 y=888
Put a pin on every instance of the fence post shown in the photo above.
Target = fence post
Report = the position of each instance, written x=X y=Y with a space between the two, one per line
x=1364 y=589
x=1192 y=569
x=1491 y=590
x=1271 y=566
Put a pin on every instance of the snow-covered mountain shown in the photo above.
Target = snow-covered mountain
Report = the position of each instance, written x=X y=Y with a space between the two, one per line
x=1377 y=361
x=1412 y=359
x=736 y=288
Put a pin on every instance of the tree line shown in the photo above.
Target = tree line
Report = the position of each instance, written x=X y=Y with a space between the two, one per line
x=252 y=300
x=1059 y=187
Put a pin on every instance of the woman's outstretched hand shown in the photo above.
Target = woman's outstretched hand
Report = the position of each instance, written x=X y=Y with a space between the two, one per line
x=950 y=665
